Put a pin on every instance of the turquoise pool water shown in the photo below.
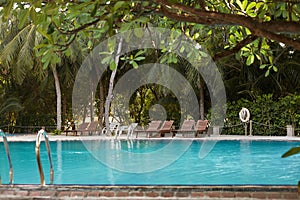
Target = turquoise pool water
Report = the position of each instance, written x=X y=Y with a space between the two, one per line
x=98 y=162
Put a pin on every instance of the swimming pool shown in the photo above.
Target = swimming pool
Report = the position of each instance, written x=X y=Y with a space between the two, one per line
x=103 y=162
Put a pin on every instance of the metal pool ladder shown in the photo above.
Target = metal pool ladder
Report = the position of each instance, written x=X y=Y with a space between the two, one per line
x=41 y=133
x=8 y=157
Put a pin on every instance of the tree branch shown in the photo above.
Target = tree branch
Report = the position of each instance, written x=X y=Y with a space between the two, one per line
x=269 y=30
x=235 y=49
x=70 y=32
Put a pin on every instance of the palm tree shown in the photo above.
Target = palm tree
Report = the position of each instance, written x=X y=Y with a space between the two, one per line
x=19 y=56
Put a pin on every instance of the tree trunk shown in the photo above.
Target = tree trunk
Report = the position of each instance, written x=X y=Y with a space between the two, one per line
x=111 y=87
x=101 y=109
x=58 y=98
x=201 y=88
x=92 y=106
x=84 y=114
x=64 y=105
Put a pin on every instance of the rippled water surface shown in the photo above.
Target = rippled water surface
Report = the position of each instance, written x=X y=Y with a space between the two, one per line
x=173 y=162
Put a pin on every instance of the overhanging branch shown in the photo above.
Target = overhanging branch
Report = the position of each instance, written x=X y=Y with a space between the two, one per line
x=269 y=30
x=235 y=49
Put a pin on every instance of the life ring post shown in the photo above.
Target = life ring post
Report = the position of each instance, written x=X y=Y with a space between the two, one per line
x=244 y=115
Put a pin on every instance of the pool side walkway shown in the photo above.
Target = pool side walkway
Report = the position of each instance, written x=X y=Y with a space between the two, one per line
x=32 y=137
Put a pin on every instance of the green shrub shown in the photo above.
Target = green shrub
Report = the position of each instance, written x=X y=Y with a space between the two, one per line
x=269 y=115
x=56 y=132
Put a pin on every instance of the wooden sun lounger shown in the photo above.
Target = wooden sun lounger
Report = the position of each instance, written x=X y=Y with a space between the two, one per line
x=152 y=128
x=186 y=127
x=201 y=127
x=92 y=128
x=166 y=128
x=82 y=127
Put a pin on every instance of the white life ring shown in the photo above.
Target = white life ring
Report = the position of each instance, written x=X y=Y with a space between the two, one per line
x=244 y=115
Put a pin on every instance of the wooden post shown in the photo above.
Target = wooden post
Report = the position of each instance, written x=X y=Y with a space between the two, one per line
x=290 y=131
x=216 y=130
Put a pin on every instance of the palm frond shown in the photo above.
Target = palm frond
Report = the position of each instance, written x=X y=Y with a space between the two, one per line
x=26 y=53
x=10 y=104
x=292 y=151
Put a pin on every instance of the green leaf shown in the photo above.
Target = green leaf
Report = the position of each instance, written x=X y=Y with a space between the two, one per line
x=259 y=4
x=125 y=27
x=142 y=19
x=292 y=151
x=250 y=6
x=275 y=69
x=250 y=59
x=106 y=60
x=112 y=65
x=181 y=49
x=252 y=14
x=51 y=9
x=267 y=73
x=239 y=4
x=23 y=18
x=94 y=11
x=270 y=59
x=244 y=5
x=263 y=66
x=118 y=5
x=46 y=64
x=44 y=33
x=140 y=52
x=111 y=44
x=7 y=10
x=139 y=58
x=32 y=14
x=134 y=64
x=138 y=32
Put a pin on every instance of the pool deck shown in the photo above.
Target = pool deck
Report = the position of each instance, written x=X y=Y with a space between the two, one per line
x=32 y=137
x=244 y=192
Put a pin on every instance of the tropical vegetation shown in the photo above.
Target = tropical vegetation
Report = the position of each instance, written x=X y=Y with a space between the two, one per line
x=255 y=44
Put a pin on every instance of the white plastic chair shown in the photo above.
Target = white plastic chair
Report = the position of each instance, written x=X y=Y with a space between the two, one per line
x=113 y=127
x=129 y=129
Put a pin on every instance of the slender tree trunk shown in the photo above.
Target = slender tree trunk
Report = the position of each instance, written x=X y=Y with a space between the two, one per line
x=101 y=109
x=84 y=114
x=201 y=88
x=111 y=87
x=92 y=106
x=64 y=105
x=58 y=98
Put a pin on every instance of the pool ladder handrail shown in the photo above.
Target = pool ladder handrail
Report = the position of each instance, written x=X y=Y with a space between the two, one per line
x=41 y=133
x=8 y=156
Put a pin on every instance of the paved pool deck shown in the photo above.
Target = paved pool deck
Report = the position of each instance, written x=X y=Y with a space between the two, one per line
x=63 y=137
x=245 y=192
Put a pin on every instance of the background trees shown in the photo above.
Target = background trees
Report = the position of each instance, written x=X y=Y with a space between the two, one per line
x=43 y=43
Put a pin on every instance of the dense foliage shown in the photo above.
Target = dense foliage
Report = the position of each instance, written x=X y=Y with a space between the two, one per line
x=269 y=115
x=256 y=45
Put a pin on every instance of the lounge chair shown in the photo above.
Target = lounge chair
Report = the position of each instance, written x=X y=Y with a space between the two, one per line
x=166 y=128
x=152 y=128
x=129 y=129
x=113 y=127
x=92 y=127
x=81 y=128
x=186 y=127
x=201 y=127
